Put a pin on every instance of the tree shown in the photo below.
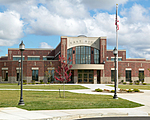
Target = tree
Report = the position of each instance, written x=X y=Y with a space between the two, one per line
x=49 y=73
x=63 y=71
x=141 y=76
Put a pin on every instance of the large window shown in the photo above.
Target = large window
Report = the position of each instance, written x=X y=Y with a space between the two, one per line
x=35 y=75
x=51 y=75
x=83 y=55
x=17 y=58
x=69 y=54
x=33 y=58
x=96 y=56
x=5 y=75
x=128 y=75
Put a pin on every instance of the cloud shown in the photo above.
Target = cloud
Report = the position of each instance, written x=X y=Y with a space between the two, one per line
x=45 y=45
x=72 y=18
x=11 y=28
x=102 y=4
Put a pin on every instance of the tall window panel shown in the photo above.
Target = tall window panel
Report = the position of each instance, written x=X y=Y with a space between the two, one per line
x=5 y=75
x=83 y=55
x=96 y=56
x=69 y=54
x=128 y=75
x=35 y=75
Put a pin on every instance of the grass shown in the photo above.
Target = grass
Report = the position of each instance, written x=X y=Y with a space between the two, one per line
x=142 y=87
x=35 y=100
x=49 y=87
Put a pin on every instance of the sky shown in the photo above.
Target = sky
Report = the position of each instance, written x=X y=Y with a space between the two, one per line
x=41 y=23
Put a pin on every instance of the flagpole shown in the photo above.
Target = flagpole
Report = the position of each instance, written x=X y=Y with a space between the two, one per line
x=117 y=44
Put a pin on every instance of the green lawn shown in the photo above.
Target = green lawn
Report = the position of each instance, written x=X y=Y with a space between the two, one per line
x=142 y=87
x=50 y=87
x=35 y=100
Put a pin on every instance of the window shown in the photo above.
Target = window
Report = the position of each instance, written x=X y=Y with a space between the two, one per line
x=113 y=58
x=69 y=54
x=128 y=75
x=5 y=75
x=33 y=58
x=35 y=75
x=44 y=58
x=107 y=59
x=112 y=75
x=119 y=59
x=141 y=76
x=83 y=55
x=17 y=58
x=51 y=74
x=96 y=56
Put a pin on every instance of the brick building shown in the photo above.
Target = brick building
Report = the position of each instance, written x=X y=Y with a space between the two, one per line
x=92 y=62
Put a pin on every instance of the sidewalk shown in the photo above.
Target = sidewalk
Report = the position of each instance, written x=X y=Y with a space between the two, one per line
x=13 y=113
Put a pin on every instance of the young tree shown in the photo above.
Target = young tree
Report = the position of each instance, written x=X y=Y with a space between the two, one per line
x=63 y=71
x=49 y=73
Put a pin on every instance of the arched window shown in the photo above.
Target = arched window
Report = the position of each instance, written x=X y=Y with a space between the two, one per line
x=83 y=55
x=69 y=54
x=96 y=56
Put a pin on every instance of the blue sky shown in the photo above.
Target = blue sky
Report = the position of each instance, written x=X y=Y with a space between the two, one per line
x=41 y=23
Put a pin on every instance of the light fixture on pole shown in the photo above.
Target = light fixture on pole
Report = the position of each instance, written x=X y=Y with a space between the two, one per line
x=115 y=53
x=19 y=72
x=21 y=48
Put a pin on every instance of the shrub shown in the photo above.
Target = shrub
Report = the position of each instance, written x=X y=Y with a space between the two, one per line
x=33 y=81
x=112 y=91
x=130 y=83
x=41 y=82
x=129 y=90
x=136 y=90
x=144 y=83
x=137 y=83
x=24 y=81
x=98 y=90
x=124 y=83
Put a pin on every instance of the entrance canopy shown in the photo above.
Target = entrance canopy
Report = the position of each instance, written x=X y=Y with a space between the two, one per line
x=88 y=66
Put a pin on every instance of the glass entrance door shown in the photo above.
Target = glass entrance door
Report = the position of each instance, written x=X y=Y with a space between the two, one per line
x=85 y=76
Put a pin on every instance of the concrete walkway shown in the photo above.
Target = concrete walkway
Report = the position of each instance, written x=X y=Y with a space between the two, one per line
x=13 y=113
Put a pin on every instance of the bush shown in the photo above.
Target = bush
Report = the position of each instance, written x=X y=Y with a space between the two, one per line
x=112 y=91
x=144 y=83
x=124 y=83
x=136 y=90
x=129 y=90
x=98 y=90
x=24 y=81
x=33 y=81
x=137 y=83
x=130 y=83
x=41 y=82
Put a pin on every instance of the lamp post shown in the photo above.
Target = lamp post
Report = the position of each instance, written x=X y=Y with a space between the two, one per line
x=115 y=53
x=21 y=48
x=19 y=72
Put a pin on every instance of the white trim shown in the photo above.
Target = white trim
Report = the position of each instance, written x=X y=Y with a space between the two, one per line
x=48 y=56
x=33 y=56
x=18 y=68
x=128 y=69
x=50 y=68
x=35 y=68
x=18 y=56
x=57 y=54
x=113 y=68
x=141 y=69
x=4 y=68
